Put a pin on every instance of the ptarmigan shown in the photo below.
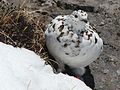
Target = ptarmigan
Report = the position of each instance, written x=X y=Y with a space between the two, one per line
x=71 y=40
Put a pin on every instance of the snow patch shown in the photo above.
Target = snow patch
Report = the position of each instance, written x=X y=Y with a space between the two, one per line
x=22 y=69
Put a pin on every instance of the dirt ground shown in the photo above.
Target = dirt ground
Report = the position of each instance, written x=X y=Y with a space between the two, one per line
x=105 y=16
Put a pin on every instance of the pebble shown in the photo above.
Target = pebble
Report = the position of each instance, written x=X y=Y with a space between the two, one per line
x=112 y=60
x=103 y=80
x=118 y=72
x=101 y=86
x=113 y=64
x=118 y=86
x=105 y=71
x=102 y=23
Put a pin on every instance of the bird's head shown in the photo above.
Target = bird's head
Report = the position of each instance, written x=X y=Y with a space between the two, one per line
x=80 y=15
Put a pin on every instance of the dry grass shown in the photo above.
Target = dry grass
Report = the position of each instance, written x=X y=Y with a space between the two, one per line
x=21 y=28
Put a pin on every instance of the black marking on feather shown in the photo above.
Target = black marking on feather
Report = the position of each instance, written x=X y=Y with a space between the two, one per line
x=58 y=39
x=84 y=20
x=62 y=23
x=82 y=11
x=95 y=40
x=51 y=22
x=71 y=34
x=53 y=26
x=61 y=34
x=90 y=27
x=90 y=35
x=78 y=42
x=59 y=19
x=82 y=15
x=65 y=45
x=61 y=28
x=77 y=46
x=86 y=32
x=82 y=32
x=67 y=53
x=67 y=32
x=94 y=29
x=73 y=41
x=49 y=31
x=75 y=16
x=70 y=28
x=91 y=31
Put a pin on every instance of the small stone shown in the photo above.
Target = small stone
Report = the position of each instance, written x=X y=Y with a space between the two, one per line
x=103 y=80
x=118 y=34
x=105 y=71
x=118 y=86
x=112 y=80
x=113 y=64
x=111 y=59
x=101 y=86
x=118 y=72
x=102 y=23
x=96 y=67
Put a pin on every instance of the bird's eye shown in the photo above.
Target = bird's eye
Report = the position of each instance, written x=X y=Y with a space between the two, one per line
x=76 y=16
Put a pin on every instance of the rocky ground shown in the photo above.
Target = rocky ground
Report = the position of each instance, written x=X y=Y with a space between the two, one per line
x=105 y=16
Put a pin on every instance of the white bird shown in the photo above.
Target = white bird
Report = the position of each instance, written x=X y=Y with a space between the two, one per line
x=71 y=40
